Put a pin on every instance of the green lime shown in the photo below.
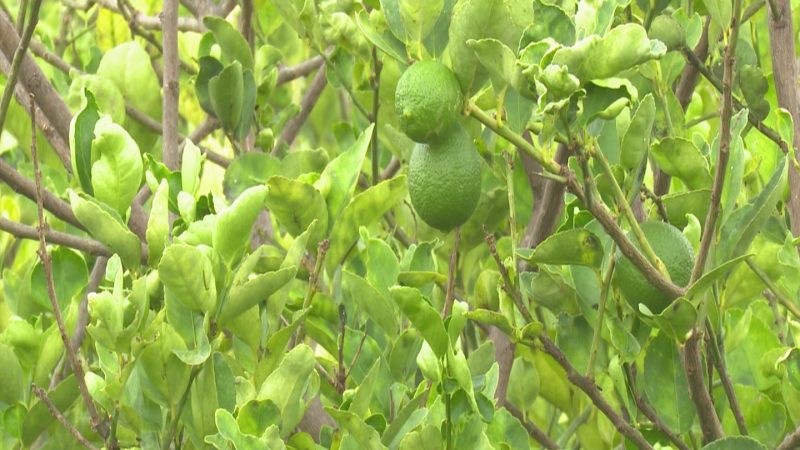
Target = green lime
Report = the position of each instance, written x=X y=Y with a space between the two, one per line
x=427 y=100
x=444 y=179
x=674 y=250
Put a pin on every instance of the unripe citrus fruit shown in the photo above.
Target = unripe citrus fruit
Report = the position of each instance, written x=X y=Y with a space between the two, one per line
x=444 y=179
x=427 y=100
x=674 y=250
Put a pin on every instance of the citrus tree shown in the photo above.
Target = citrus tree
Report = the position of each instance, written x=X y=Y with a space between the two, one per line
x=400 y=224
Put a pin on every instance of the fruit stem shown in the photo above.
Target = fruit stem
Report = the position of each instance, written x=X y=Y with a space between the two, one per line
x=509 y=135
x=623 y=204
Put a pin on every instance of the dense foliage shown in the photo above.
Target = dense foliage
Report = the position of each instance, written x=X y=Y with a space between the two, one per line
x=217 y=232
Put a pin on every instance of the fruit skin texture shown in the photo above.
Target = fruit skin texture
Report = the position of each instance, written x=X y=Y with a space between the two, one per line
x=674 y=250
x=444 y=179
x=428 y=100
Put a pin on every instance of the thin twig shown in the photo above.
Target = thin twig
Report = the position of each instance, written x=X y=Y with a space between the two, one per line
x=153 y=22
x=22 y=185
x=718 y=360
x=791 y=441
x=98 y=425
x=313 y=279
x=86 y=245
x=601 y=310
x=292 y=128
x=508 y=285
x=356 y=355
x=16 y=62
x=60 y=417
x=290 y=73
x=649 y=412
x=783 y=299
x=533 y=430
x=340 y=373
x=451 y=278
x=662 y=209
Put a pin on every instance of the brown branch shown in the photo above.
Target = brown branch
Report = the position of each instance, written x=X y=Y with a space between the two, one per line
x=391 y=169
x=315 y=418
x=35 y=82
x=651 y=414
x=590 y=389
x=791 y=441
x=451 y=278
x=504 y=355
x=292 y=128
x=533 y=430
x=246 y=22
x=22 y=185
x=152 y=22
x=290 y=73
x=85 y=245
x=60 y=417
x=137 y=222
x=785 y=73
x=38 y=49
x=710 y=227
x=709 y=421
x=718 y=361
x=171 y=84
x=16 y=61
x=98 y=424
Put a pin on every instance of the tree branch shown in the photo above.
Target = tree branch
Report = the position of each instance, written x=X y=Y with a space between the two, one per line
x=16 y=61
x=60 y=417
x=292 y=127
x=152 y=22
x=86 y=245
x=709 y=421
x=785 y=74
x=22 y=185
x=171 y=84
x=791 y=441
x=533 y=430
x=651 y=414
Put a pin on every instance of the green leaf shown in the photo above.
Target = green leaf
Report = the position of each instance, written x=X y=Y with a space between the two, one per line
x=503 y=20
x=117 y=169
x=636 y=140
x=623 y=48
x=81 y=135
x=158 y=224
x=665 y=384
x=249 y=98
x=676 y=320
x=70 y=277
x=339 y=178
x=765 y=417
x=366 y=436
x=365 y=392
x=708 y=279
x=551 y=290
x=363 y=210
x=226 y=93
x=234 y=224
x=105 y=225
x=744 y=223
x=377 y=306
x=551 y=21
x=11 y=389
x=296 y=204
x=496 y=58
x=39 y=417
x=210 y=67
x=187 y=274
x=383 y=40
x=419 y=16
x=577 y=246
x=720 y=12
x=255 y=290
x=191 y=167
x=680 y=158
x=748 y=340
x=735 y=443
x=679 y=204
x=436 y=42
x=493 y=318
x=250 y=169
x=233 y=47
x=424 y=317
x=735 y=169
x=286 y=384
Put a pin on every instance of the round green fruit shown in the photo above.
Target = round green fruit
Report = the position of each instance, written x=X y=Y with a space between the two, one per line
x=428 y=100
x=444 y=179
x=674 y=250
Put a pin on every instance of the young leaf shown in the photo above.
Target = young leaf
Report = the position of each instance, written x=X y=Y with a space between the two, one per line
x=286 y=385
x=680 y=158
x=424 y=318
x=232 y=230
x=366 y=436
x=339 y=178
x=636 y=140
x=383 y=40
x=188 y=275
x=81 y=135
x=363 y=209
x=577 y=246
x=419 y=16
x=254 y=291
x=105 y=225
x=378 y=307
x=296 y=204
x=117 y=168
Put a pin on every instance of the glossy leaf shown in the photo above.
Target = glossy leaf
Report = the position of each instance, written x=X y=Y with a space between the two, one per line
x=295 y=205
x=70 y=277
x=105 y=225
x=377 y=306
x=255 y=290
x=232 y=45
x=158 y=224
x=232 y=230
x=81 y=135
x=39 y=417
x=424 y=317
x=577 y=246
x=226 y=94
x=663 y=366
x=366 y=436
x=365 y=208
x=11 y=389
x=681 y=159
x=636 y=141
x=117 y=169
x=188 y=275
x=286 y=384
